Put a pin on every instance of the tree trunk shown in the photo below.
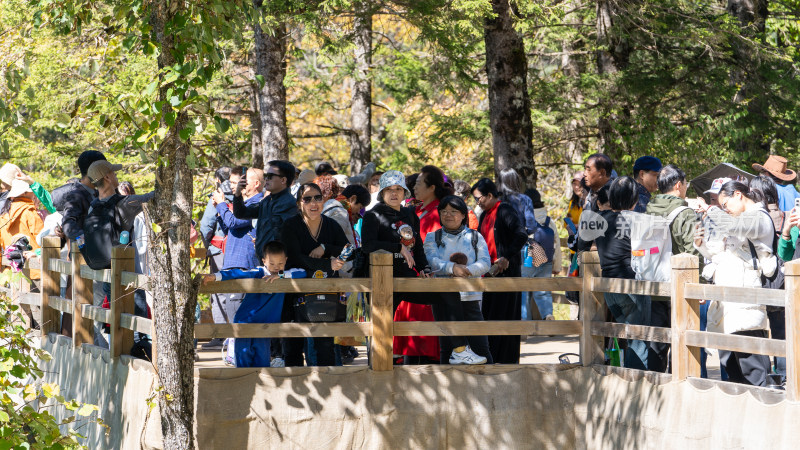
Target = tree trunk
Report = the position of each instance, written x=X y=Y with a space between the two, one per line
x=171 y=280
x=752 y=15
x=572 y=68
x=256 y=141
x=509 y=103
x=269 y=58
x=361 y=109
x=613 y=55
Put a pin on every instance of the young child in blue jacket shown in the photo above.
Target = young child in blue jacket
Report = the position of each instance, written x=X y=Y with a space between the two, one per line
x=258 y=308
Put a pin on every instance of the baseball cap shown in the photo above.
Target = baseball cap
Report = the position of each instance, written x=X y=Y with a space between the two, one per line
x=716 y=185
x=87 y=158
x=101 y=168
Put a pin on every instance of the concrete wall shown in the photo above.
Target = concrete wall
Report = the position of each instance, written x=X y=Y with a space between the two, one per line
x=431 y=407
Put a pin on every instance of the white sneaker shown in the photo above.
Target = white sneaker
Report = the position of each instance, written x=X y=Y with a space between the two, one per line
x=466 y=357
x=277 y=362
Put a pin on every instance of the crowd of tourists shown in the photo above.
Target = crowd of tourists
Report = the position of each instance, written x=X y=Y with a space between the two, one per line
x=281 y=222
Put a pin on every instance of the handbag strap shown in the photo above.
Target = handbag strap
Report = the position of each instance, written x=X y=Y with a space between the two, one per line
x=753 y=254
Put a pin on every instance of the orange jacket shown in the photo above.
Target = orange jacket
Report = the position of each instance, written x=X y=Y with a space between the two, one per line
x=22 y=218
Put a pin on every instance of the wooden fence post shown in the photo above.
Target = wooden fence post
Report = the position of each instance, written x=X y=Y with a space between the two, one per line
x=792 y=272
x=593 y=308
x=122 y=300
x=82 y=294
x=381 y=271
x=51 y=286
x=685 y=316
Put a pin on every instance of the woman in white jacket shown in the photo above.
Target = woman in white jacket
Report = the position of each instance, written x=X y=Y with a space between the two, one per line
x=739 y=257
x=458 y=251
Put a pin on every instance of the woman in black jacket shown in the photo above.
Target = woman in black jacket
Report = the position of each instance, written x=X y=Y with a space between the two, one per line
x=390 y=227
x=313 y=242
x=505 y=236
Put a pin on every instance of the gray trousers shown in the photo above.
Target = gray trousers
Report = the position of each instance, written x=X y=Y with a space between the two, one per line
x=223 y=306
x=100 y=291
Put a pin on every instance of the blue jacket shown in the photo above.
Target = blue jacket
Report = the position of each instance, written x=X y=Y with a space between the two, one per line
x=271 y=213
x=240 y=251
x=524 y=207
x=208 y=227
x=256 y=308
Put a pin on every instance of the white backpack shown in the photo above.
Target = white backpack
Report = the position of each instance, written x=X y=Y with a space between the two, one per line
x=651 y=245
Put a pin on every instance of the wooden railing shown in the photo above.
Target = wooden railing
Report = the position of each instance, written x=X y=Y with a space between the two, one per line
x=683 y=291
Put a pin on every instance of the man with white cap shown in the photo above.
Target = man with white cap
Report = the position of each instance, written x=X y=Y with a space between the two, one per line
x=713 y=191
x=777 y=169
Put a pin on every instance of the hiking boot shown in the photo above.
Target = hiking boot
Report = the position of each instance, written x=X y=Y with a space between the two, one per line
x=466 y=357
x=214 y=343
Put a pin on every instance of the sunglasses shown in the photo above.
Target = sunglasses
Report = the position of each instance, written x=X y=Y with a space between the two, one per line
x=315 y=198
x=270 y=176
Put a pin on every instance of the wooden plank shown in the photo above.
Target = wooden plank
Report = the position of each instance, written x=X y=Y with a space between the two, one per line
x=488 y=284
x=103 y=275
x=82 y=328
x=59 y=265
x=135 y=280
x=629 y=374
x=593 y=309
x=51 y=285
x=30 y=263
x=735 y=343
x=61 y=304
x=136 y=323
x=750 y=296
x=287 y=285
x=685 y=317
x=626 y=331
x=490 y=328
x=122 y=300
x=620 y=285
x=792 y=273
x=96 y=313
x=382 y=311
x=29 y=298
x=282 y=330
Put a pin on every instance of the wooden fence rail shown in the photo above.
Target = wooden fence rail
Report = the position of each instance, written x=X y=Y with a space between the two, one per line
x=683 y=291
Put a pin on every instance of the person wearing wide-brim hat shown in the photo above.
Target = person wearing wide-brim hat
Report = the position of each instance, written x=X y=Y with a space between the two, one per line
x=777 y=168
x=21 y=218
x=395 y=229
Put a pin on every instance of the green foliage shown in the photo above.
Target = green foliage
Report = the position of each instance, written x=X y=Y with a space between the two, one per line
x=26 y=420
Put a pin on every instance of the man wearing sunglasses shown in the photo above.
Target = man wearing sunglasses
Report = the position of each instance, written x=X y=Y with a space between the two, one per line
x=274 y=209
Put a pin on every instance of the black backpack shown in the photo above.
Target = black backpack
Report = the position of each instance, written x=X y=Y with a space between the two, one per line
x=60 y=194
x=101 y=230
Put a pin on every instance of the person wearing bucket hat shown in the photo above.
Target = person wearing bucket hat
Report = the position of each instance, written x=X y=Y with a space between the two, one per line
x=777 y=168
x=395 y=229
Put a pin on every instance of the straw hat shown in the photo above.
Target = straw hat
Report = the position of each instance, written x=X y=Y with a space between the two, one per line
x=777 y=166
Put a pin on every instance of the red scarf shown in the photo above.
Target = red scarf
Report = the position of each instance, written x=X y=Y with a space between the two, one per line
x=428 y=218
x=487 y=230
